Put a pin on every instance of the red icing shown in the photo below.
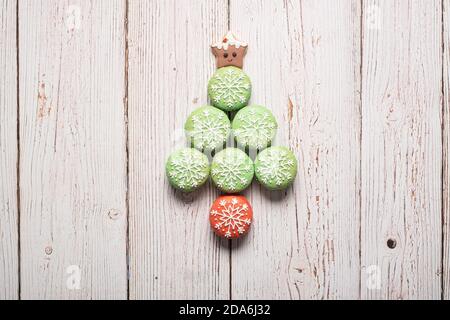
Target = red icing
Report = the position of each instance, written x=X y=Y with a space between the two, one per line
x=231 y=216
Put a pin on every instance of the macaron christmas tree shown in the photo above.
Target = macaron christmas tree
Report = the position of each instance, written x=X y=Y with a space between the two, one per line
x=208 y=129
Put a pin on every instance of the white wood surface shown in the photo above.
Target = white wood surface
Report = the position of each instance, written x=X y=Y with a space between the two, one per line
x=446 y=151
x=173 y=253
x=402 y=149
x=302 y=245
x=361 y=93
x=73 y=155
x=9 y=244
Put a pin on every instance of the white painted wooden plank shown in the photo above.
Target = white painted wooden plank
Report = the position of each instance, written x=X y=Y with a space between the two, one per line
x=9 y=244
x=73 y=154
x=173 y=253
x=304 y=60
x=446 y=151
x=401 y=150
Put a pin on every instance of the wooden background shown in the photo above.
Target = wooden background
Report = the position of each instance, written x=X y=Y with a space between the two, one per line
x=93 y=98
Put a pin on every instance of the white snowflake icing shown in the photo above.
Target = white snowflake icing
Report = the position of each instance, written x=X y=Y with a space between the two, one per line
x=230 y=87
x=232 y=170
x=188 y=169
x=256 y=129
x=275 y=166
x=209 y=129
x=231 y=217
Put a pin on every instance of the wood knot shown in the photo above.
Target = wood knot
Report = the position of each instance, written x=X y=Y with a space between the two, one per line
x=392 y=243
x=290 y=109
x=48 y=250
x=43 y=109
x=114 y=214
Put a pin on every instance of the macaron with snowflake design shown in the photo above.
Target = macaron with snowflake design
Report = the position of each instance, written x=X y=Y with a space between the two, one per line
x=187 y=169
x=229 y=89
x=232 y=170
x=208 y=128
x=254 y=127
x=276 y=168
x=231 y=216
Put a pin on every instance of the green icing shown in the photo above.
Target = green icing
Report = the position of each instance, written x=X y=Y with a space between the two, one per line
x=276 y=168
x=229 y=89
x=232 y=170
x=187 y=169
x=207 y=128
x=254 y=127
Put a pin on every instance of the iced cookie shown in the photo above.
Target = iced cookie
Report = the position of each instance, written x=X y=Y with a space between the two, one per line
x=207 y=128
x=230 y=51
x=276 y=168
x=229 y=89
x=232 y=170
x=254 y=127
x=231 y=216
x=187 y=169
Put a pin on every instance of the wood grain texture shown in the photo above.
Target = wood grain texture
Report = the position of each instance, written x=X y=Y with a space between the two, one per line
x=361 y=91
x=401 y=150
x=446 y=152
x=173 y=253
x=304 y=242
x=73 y=155
x=9 y=244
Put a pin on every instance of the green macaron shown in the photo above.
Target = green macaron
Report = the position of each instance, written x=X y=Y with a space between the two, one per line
x=187 y=169
x=276 y=168
x=232 y=170
x=207 y=128
x=254 y=127
x=229 y=89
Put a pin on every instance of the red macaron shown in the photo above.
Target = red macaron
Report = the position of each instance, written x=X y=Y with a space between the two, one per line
x=231 y=216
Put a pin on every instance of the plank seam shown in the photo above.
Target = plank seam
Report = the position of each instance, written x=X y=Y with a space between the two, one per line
x=229 y=14
x=361 y=57
x=127 y=147
x=444 y=152
x=18 y=154
x=230 y=246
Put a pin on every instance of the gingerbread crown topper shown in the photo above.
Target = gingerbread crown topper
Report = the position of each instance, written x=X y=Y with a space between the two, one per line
x=230 y=51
